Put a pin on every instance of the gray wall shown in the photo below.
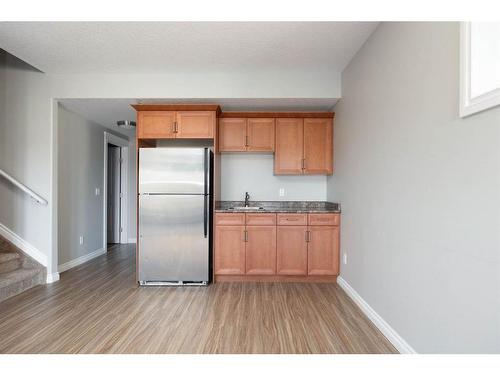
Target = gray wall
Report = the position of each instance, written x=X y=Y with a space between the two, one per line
x=24 y=151
x=254 y=173
x=420 y=191
x=80 y=172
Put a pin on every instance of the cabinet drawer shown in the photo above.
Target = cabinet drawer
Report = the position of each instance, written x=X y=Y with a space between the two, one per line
x=222 y=218
x=292 y=219
x=324 y=219
x=260 y=219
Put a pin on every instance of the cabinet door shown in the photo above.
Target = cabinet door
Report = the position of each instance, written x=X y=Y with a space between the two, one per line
x=291 y=250
x=261 y=250
x=232 y=134
x=323 y=250
x=195 y=124
x=289 y=146
x=318 y=146
x=229 y=250
x=155 y=124
x=260 y=134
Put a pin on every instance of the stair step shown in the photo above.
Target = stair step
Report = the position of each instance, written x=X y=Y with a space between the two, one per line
x=10 y=265
x=19 y=280
x=8 y=256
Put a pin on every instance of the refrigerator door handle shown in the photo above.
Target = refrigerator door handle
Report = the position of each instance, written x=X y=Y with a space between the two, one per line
x=205 y=215
x=206 y=163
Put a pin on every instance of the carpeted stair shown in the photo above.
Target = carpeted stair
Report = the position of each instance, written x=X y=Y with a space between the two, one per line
x=18 y=272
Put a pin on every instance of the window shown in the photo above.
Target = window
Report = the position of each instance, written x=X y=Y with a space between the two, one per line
x=479 y=66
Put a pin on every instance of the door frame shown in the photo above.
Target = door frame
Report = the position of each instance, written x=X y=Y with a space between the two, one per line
x=124 y=145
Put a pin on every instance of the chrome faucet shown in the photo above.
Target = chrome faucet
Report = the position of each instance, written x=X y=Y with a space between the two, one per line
x=247 y=198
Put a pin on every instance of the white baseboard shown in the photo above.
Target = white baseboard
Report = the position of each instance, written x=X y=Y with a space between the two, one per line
x=52 y=278
x=399 y=343
x=132 y=240
x=84 y=258
x=22 y=244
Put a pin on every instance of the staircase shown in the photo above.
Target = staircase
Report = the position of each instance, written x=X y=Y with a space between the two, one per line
x=18 y=272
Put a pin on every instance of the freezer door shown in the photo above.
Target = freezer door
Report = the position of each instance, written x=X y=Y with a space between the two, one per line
x=172 y=244
x=172 y=170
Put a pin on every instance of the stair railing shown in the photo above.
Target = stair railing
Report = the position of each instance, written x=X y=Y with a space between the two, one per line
x=24 y=188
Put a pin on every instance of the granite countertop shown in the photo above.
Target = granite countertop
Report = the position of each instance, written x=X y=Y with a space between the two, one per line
x=280 y=206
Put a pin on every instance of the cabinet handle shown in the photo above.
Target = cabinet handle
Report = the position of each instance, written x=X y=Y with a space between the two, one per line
x=303 y=163
x=246 y=236
x=307 y=236
x=246 y=140
x=176 y=127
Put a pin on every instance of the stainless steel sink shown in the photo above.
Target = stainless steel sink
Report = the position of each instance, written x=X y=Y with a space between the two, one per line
x=246 y=208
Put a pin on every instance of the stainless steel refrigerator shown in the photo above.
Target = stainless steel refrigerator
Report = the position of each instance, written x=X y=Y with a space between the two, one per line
x=174 y=216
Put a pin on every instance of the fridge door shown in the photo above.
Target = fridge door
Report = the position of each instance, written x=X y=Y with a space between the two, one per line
x=172 y=170
x=172 y=242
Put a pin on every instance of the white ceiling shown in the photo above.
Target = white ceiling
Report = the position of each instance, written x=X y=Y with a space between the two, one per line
x=161 y=47
x=107 y=111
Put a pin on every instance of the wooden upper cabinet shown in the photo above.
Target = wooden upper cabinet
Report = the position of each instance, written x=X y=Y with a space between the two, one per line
x=232 y=134
x=289 y=146
x=195 y=124
x=261 y=250
x=323 y=250
x=291 y=251
x=318 y=146
x=156 y=124
x=229 y=250
x=260 y=134
x=246 y=134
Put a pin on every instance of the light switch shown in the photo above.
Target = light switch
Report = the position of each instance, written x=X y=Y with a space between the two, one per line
x=97 y=191
x=282 y=192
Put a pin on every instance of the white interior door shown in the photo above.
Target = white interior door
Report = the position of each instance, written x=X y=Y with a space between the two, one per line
x=114 y=194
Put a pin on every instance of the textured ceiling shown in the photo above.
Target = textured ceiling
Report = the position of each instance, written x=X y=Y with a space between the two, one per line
x=107 y=111
x=160 y=47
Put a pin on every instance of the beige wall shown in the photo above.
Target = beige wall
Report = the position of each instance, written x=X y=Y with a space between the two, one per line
x=420 y=191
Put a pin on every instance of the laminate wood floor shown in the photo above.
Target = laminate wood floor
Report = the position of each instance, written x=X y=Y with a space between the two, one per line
x=98 y=308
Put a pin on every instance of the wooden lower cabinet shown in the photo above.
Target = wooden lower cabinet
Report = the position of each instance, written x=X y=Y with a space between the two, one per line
x=291 y=250
x=230 y=250
x=323 y=250
x=270 y=248
x=261 y=250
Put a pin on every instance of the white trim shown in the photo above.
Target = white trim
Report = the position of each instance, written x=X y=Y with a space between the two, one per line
x=80 y=260
x=124 y=144
x=468 y=105
x=132 y=240
x=399 y=343
x=22 y=244
x=53 y=256
x=52 y=278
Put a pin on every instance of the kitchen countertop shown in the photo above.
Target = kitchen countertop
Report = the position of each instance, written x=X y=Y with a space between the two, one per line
x=280 y=206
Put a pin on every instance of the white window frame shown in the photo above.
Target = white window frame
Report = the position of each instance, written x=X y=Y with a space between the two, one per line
x=469 y=105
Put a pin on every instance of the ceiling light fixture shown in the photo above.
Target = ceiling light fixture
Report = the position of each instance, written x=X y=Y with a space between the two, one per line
x=126 y=124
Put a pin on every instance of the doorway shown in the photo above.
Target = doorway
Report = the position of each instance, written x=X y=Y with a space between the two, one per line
x=115 y=204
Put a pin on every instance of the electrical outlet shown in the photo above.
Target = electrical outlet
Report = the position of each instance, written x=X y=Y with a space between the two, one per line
x=282 y=192
x=345 y=258
x=81 y=240
x=97 y=191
